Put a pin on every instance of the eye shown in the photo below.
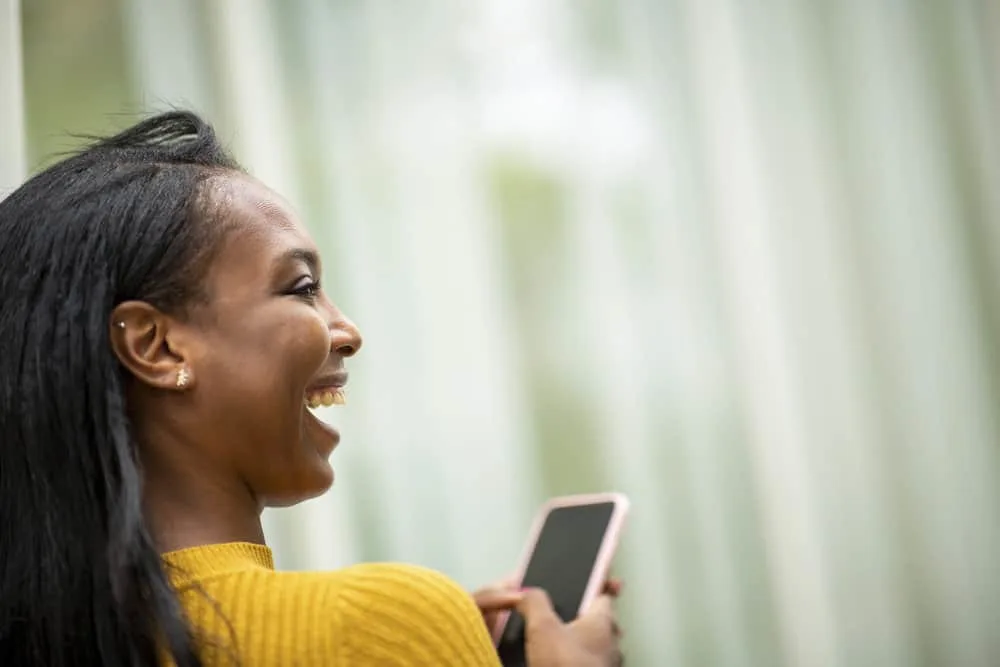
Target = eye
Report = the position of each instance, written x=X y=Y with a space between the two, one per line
x=306 y=287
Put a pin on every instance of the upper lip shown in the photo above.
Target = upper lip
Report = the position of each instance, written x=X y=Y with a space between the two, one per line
x=334 y=380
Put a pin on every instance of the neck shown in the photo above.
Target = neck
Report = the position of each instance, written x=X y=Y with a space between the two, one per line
x=189 y=503
x=190 y=516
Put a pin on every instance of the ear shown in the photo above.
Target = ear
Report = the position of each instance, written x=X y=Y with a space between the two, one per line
x=151 y=345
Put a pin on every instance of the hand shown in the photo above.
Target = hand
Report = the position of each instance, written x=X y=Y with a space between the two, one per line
x=498 y=597
x=589 y=641
x=504 y=595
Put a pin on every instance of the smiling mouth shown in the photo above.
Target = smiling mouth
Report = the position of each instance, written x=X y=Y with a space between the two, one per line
x=326 y=390
x=325 y=397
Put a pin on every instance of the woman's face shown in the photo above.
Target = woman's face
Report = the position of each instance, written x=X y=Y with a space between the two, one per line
x=265 y=344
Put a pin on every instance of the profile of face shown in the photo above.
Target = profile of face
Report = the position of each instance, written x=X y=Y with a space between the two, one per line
x=261 y=348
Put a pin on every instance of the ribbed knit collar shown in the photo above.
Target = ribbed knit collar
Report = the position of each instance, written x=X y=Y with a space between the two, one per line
x=192 y=563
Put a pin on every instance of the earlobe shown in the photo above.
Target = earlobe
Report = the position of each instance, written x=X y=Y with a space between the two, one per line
x=141 y=338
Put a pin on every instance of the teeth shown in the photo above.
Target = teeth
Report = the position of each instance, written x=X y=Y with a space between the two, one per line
x=326 y=398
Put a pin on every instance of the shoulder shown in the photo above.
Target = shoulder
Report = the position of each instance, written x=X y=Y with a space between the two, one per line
x=393 y=615
x=388 y=607
x=406 y=584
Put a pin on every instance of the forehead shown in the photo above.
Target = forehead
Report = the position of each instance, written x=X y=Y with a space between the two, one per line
x=250 y=207
x=261 y=232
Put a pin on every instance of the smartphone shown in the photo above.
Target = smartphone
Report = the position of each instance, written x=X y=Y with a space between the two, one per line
x=569 y=552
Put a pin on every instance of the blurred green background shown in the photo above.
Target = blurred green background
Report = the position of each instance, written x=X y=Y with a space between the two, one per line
x=740 y=260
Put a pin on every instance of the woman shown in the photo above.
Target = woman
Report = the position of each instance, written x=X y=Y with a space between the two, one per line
x=163 y=335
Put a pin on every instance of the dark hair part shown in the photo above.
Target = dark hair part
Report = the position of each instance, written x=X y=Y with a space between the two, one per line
x=81 y=581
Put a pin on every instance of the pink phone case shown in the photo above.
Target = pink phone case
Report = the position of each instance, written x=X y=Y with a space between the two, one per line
x=604 y=556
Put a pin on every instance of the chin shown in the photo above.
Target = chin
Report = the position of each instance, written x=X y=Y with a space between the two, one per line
x=309 y=485
x=324 y=480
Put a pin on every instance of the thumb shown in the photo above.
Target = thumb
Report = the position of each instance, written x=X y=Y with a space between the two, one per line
x=599 y=616
x=536 y=608
x=601 y=608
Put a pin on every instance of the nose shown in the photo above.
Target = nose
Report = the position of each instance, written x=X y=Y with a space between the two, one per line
x=345 y=337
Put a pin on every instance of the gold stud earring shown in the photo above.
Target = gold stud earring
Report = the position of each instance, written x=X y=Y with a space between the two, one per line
x=183 y=378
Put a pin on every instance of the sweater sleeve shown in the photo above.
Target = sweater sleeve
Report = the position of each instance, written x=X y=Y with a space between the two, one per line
x=409 y=616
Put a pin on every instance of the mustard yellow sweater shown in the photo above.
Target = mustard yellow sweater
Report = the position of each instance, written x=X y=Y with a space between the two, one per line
x=373 y=614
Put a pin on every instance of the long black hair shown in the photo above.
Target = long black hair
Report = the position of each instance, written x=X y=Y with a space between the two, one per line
x=81 y=582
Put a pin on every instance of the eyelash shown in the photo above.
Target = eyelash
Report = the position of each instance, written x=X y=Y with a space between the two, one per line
x=309 y=290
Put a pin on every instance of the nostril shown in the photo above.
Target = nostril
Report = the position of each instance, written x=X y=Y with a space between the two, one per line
x=346 y=340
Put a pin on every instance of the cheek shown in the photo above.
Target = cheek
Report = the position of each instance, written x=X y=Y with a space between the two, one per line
x=265 y=364
x=308 y=345
x=257 y=389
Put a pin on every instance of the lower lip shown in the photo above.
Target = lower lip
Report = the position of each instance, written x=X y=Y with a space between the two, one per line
x=327 y=431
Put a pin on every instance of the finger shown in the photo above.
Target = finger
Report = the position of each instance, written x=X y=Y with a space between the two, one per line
x=504 y=585
x=599 y=619
x=495 y=600
x=508 y=585
x=601 y=608
x=536 y=607
x=613 y=587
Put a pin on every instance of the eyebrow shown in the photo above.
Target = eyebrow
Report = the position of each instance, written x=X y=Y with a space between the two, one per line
x=310 y=257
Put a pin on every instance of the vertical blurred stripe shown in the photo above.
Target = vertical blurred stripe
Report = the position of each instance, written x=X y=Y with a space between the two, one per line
x=12 y=146
x=255 y=91
x=154 y=29
x=769 y=380
x=933 y=357
x=815 y=267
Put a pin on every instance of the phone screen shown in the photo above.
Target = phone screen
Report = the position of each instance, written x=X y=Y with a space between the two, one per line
x=561 y=563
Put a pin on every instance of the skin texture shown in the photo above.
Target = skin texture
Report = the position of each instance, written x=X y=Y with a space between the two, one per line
x=238 y=437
